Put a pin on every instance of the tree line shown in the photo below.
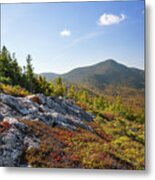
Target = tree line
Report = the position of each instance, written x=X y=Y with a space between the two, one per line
x=11 y=73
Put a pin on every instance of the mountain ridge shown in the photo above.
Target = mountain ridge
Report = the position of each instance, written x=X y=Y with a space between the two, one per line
x=87 y=66
x=103 y=74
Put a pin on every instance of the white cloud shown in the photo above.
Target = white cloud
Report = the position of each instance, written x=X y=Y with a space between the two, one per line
x=65 y=33
x=110 y=19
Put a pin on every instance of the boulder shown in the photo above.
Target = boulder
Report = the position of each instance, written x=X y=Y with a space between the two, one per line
x=33 y=98
x=50 y=110
x=37 y=98
x=1 y=117
x=14 y=141
x=13 y=103
x=31 y=142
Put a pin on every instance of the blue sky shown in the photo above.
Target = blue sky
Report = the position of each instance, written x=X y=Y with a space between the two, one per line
x=63 y=36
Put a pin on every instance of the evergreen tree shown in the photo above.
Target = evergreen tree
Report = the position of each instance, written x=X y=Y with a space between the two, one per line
x=29 y=73
x=16 y=72
x=85 y=97
x=5 y=63
x=99 y=103
x=71 y=92
x=59 y=89
x=10 y=71
x=24 y=82
x=51 y=87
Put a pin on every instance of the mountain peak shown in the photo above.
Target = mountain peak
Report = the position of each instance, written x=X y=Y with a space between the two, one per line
x=105 y=73
x=110 y=61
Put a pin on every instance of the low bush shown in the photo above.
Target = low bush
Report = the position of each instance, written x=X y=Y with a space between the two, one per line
x=13 y=90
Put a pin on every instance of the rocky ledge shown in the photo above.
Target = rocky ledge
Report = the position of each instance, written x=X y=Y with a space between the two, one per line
x=53 y=111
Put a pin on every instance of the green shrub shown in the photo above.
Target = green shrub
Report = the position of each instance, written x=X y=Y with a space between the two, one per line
x=5 y=80
x=14 y=90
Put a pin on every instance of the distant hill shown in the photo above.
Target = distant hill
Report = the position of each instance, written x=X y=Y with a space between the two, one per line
x=104 y=74
x=49 y=76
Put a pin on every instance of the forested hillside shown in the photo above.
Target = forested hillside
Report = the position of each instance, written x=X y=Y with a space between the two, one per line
x=107 y=73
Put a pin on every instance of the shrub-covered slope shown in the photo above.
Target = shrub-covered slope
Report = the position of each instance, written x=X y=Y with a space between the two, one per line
x=40 y=131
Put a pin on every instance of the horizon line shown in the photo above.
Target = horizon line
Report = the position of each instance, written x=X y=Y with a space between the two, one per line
x=85 y=66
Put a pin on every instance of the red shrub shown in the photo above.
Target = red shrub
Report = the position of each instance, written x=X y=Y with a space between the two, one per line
x=4 y=126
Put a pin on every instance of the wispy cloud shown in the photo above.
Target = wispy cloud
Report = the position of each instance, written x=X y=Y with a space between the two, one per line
x=88 y=36
x=110 y=19
x=76 y=41
x=65 y=33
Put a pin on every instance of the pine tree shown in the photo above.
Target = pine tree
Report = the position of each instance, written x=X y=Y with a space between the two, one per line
x=71 y=92
x=5 y=63
x=29 y=73
x=59 y=89
x=51 y=87
x=16 y=72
